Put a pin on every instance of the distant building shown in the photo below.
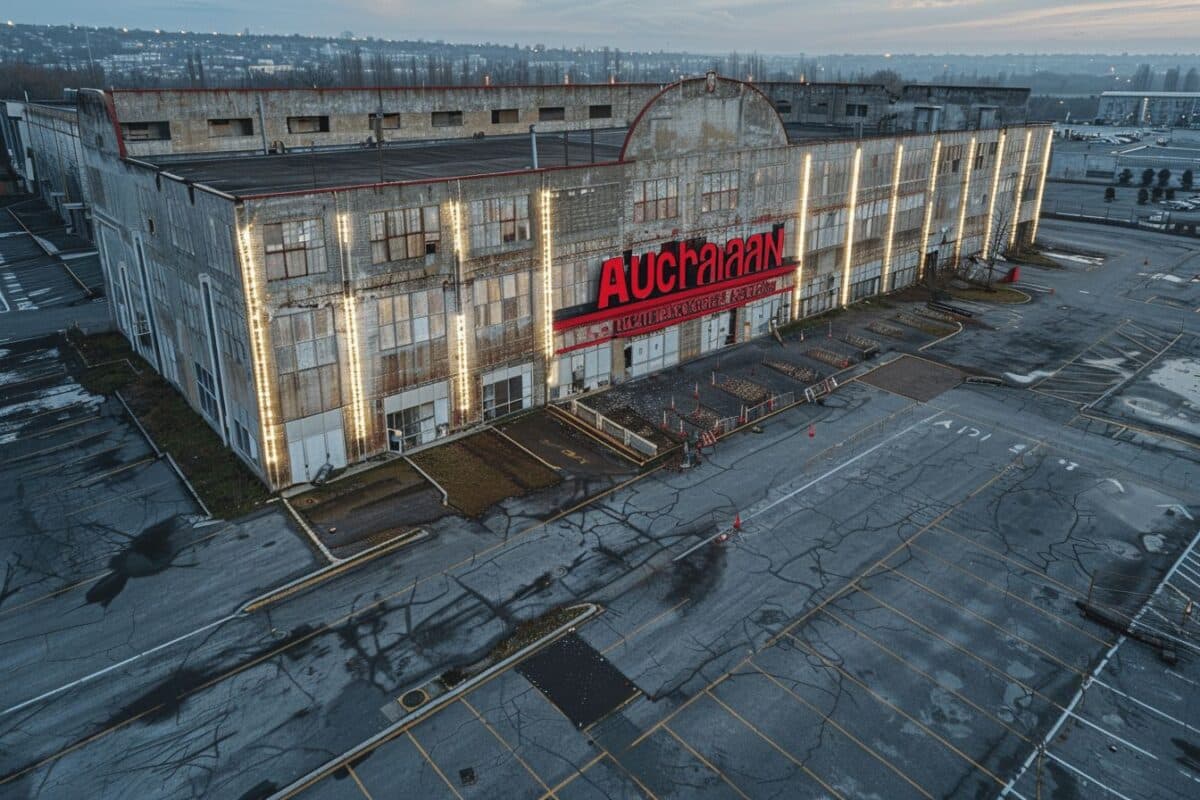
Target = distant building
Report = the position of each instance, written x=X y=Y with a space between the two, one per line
x=320 y=301
x=1160 y=109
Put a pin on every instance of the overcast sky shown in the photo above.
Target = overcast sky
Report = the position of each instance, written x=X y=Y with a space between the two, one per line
x=766 y=26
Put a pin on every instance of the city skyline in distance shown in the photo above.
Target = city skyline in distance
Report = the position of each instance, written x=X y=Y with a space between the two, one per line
x=764 y=26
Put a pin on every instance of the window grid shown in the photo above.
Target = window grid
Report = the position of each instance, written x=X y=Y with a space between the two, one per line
x=405 y=233
x=499 y=220
x=505 y=298
x=411 y=319
x=718 y=190
x=656 y=199
x=294 y=248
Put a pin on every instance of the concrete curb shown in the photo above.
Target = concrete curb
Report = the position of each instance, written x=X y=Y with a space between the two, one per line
x=428 y=477
x=526 y=450
x=339 y=566
x=398 y=727
x=927 y=345
x=308 y=531
x=159 y=453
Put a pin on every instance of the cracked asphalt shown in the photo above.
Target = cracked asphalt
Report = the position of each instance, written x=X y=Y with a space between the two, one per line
x=897 y=617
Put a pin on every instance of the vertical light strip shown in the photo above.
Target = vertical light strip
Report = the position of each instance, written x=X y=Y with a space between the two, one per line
x=547 y=288
x=933 y=173
x=463 y=393
x=350 y=307
x=1020 y=190
x=802 y=236
x=891 y=225
x=963 y=201
x=1037 y=209
x=991 y=215
x=258 y=347
x=851 y=210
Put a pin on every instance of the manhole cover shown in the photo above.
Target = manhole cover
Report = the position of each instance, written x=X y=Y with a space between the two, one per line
x=414 y=699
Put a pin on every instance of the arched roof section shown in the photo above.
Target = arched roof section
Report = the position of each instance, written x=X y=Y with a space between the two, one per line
x=704 y=115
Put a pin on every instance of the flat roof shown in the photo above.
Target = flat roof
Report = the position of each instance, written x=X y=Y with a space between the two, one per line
x=248 y=175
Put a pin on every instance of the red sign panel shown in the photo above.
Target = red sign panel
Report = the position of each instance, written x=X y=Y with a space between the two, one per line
x=682 y=281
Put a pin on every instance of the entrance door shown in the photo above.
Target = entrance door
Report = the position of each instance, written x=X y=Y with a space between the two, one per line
x=314 y=442
x=731 y=327
x=714 y=330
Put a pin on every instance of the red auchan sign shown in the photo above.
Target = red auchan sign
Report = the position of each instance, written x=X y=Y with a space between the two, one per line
x=629 y=279
x=645 y=292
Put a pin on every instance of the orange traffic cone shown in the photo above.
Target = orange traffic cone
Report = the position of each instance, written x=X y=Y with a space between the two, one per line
x=812 y=431
x=737 y=521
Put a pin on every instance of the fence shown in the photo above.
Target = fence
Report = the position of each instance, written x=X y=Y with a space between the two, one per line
x=613 y=429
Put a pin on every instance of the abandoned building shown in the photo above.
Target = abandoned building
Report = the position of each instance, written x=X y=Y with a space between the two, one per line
x=330 y=275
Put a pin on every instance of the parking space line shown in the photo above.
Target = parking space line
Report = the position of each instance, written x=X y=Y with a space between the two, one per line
x=706 y=763
x=843 y=731
x=358 y=782
x=545 y=786
x=1087 y=777
x=1028 y=568
x=985 y=620
x=1049 y=614
x=925 y=674
x=633 y=633
x=848 y=587
x=558 y=787
x=897 y=709
x=431 y=763
x=993 y=668
x=785 y=753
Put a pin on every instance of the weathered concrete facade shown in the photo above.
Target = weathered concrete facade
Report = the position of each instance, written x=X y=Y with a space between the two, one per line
x=321 y=326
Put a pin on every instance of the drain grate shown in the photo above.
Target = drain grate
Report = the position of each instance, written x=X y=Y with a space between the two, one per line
x=583 y=684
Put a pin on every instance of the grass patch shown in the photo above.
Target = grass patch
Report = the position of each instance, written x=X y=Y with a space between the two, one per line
x=362 y=488
x=482 y=469
x=994 y=295
x=1034 y=257
x=226 y=485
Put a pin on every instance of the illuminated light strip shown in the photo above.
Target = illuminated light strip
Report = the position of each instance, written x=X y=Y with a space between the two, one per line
x=547 y=287
x=350 y=307
x=963 y=201
x=1018 y=199
x=798 y=280
x=891 y=228
x=933 y=173
x=991 y=215
x=1037 y=209
x=460 y=324
x=851 y=210
x=258 y=345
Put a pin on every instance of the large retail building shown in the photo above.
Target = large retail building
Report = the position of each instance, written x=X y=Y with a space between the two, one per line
x=321 y=299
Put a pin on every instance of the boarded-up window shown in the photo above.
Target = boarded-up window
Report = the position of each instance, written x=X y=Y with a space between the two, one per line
x=600 y=112
x=221 y=128
x=311 y=124
x=387 y=122
x=446 y=119
x=501 y=116
x=552 y=114
x=146 y=131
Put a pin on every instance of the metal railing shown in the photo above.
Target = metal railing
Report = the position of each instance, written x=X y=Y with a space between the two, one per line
x=613 y=429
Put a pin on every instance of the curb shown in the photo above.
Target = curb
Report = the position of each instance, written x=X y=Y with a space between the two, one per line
x=525 y=449
x=159 y=453
x=400 y=725
x=309 y=532
x=426 y=476
x=339 y=566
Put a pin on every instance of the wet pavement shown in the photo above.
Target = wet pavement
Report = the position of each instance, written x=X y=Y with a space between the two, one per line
x=896 y=617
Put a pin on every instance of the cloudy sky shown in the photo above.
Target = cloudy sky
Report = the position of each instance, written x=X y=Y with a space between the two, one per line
x=767 y=26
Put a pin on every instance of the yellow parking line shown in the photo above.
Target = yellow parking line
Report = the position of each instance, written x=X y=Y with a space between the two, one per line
x=559 y=786
x=706 y=762
x=436 y=768
x=954 y=603
x=775 y=745
x=999 y=781
x=358 y=782
x=848 y=587
x=633 y=633
x=1051 y=615
x=509 y=747
x=1019 y=564
x=843 y=731
x=924 y=674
